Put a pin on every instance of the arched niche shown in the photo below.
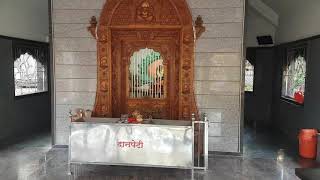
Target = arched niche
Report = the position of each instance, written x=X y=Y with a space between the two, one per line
x=127 y=26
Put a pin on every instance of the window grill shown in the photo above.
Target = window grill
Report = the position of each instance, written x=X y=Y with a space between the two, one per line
x=249 y=76
x=146 y=75
x=294 y=74
x=30 y=70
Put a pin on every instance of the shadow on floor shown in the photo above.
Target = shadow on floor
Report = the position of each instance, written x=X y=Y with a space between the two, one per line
x=270 y=144
x=266 y=144
x=40 y=139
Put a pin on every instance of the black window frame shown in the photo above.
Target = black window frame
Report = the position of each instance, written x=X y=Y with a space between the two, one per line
x=285 y=61
x=40 y=51
x=254 y=79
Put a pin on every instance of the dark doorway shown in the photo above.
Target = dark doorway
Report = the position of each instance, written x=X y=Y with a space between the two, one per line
x=25 y=95
x=258 y=100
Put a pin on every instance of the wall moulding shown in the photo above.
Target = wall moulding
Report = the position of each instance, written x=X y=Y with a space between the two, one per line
x=93 y=26
x=199 y=27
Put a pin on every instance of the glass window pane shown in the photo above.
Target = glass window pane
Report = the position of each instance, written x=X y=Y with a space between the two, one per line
x=293 y=77
x=249 y=76
x=30 y=75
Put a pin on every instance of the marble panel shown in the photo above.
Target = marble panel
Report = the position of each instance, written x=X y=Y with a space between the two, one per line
x=219 y=15
x=219 y=45
x=222 y=129
x=71 y=30
x=70 y=16
x=62 y=124
x=217 y=73
x=74 y=71
x=223 y=30
x=62 y=131
x=217 y=87
x=75 y=98
x=76 y=85
x=229 y=116
x=62 y=137
x=218 y=102
x=224 y=144
x=217 y=59
x=75 y=44
x=76 y=58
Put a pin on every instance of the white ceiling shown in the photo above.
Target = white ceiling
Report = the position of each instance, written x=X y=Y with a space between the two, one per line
x=274 y=4
x=265 y=10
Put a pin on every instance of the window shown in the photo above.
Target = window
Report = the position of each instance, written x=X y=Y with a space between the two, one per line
x=146 y=75
x=294 y=73
x=30 y=70
x=249 y=76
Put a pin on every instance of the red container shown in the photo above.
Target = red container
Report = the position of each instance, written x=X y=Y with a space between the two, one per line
x=299 y=97
x=308 y=143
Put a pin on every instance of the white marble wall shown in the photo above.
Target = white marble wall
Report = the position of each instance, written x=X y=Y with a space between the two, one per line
x=217 y=72
x=218 y=69
x=75 y=59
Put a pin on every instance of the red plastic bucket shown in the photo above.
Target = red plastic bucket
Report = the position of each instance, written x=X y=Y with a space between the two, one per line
x=308 y=143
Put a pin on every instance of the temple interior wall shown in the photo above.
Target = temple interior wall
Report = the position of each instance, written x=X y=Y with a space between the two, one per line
x=218 y=59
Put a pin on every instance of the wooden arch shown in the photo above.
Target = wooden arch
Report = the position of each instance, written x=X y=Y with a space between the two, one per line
x=146 y=20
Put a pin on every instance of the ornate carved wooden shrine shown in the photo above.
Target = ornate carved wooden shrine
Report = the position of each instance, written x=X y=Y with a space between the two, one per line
x=145 y=59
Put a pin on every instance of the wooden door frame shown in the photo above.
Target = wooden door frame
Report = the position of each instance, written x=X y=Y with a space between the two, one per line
x=167 y=45
x=159 y=14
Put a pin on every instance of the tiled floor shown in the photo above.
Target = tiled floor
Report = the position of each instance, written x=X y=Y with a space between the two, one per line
x=266 y=145
x=33 y=160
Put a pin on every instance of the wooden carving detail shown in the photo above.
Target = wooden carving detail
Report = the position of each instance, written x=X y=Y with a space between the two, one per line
x=157 y=111
x=123 y=13
x=126 y=26
x=93 y=26
x=199 y=27
x=145 y=12
x=168 y=14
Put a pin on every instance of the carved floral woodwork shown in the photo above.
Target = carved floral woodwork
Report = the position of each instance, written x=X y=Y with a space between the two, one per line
x=125 y=26
x=164 y=42
x=145 y=12
x=199 y=27
x=93 y=26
